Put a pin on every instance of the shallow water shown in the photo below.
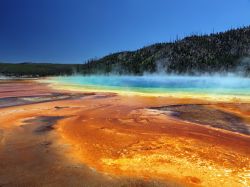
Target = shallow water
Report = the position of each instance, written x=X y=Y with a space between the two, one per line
x=232 y=86
x=178 y=141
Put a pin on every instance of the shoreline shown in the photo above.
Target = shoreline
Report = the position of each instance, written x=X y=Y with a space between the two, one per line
x=131 y=145
x=133 y=91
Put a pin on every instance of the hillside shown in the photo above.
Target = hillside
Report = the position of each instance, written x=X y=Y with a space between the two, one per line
x=215 y=53
x=221 y=52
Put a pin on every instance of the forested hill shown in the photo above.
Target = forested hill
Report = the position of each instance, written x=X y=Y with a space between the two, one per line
x=221 y=52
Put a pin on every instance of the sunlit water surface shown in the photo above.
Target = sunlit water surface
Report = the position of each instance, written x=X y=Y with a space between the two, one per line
x=231 y=87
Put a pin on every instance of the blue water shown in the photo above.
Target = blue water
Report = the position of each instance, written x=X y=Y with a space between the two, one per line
x=228 y=85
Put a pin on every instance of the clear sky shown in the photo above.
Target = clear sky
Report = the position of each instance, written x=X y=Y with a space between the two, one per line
x=72 y=31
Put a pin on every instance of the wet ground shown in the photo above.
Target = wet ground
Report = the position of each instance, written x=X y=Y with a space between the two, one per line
x=60 y=138
x=210 y=116
x=30 y=153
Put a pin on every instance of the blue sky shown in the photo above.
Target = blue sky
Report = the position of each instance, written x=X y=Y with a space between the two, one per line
x=72 y=31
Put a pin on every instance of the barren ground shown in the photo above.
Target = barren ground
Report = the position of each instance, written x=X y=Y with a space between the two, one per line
x=60 y=138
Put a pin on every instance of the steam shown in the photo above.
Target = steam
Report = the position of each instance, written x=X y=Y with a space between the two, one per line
x=162 y=66
x=161 y=83
x=3 y=77
x=244 y=67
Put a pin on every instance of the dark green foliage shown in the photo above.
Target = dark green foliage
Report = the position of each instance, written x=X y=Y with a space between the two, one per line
x=221 y=52
x=38 y=70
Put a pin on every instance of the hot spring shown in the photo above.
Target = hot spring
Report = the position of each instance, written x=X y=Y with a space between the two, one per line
x=211 y=87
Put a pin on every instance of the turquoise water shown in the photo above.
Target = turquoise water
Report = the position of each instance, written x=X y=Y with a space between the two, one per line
x=218 y=85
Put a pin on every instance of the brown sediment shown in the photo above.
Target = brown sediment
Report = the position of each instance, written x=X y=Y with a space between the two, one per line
x=124 y=141
x=42 y=124
x=207 y=115
x=31 y=150
x=127 y=139
x=26 y=100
